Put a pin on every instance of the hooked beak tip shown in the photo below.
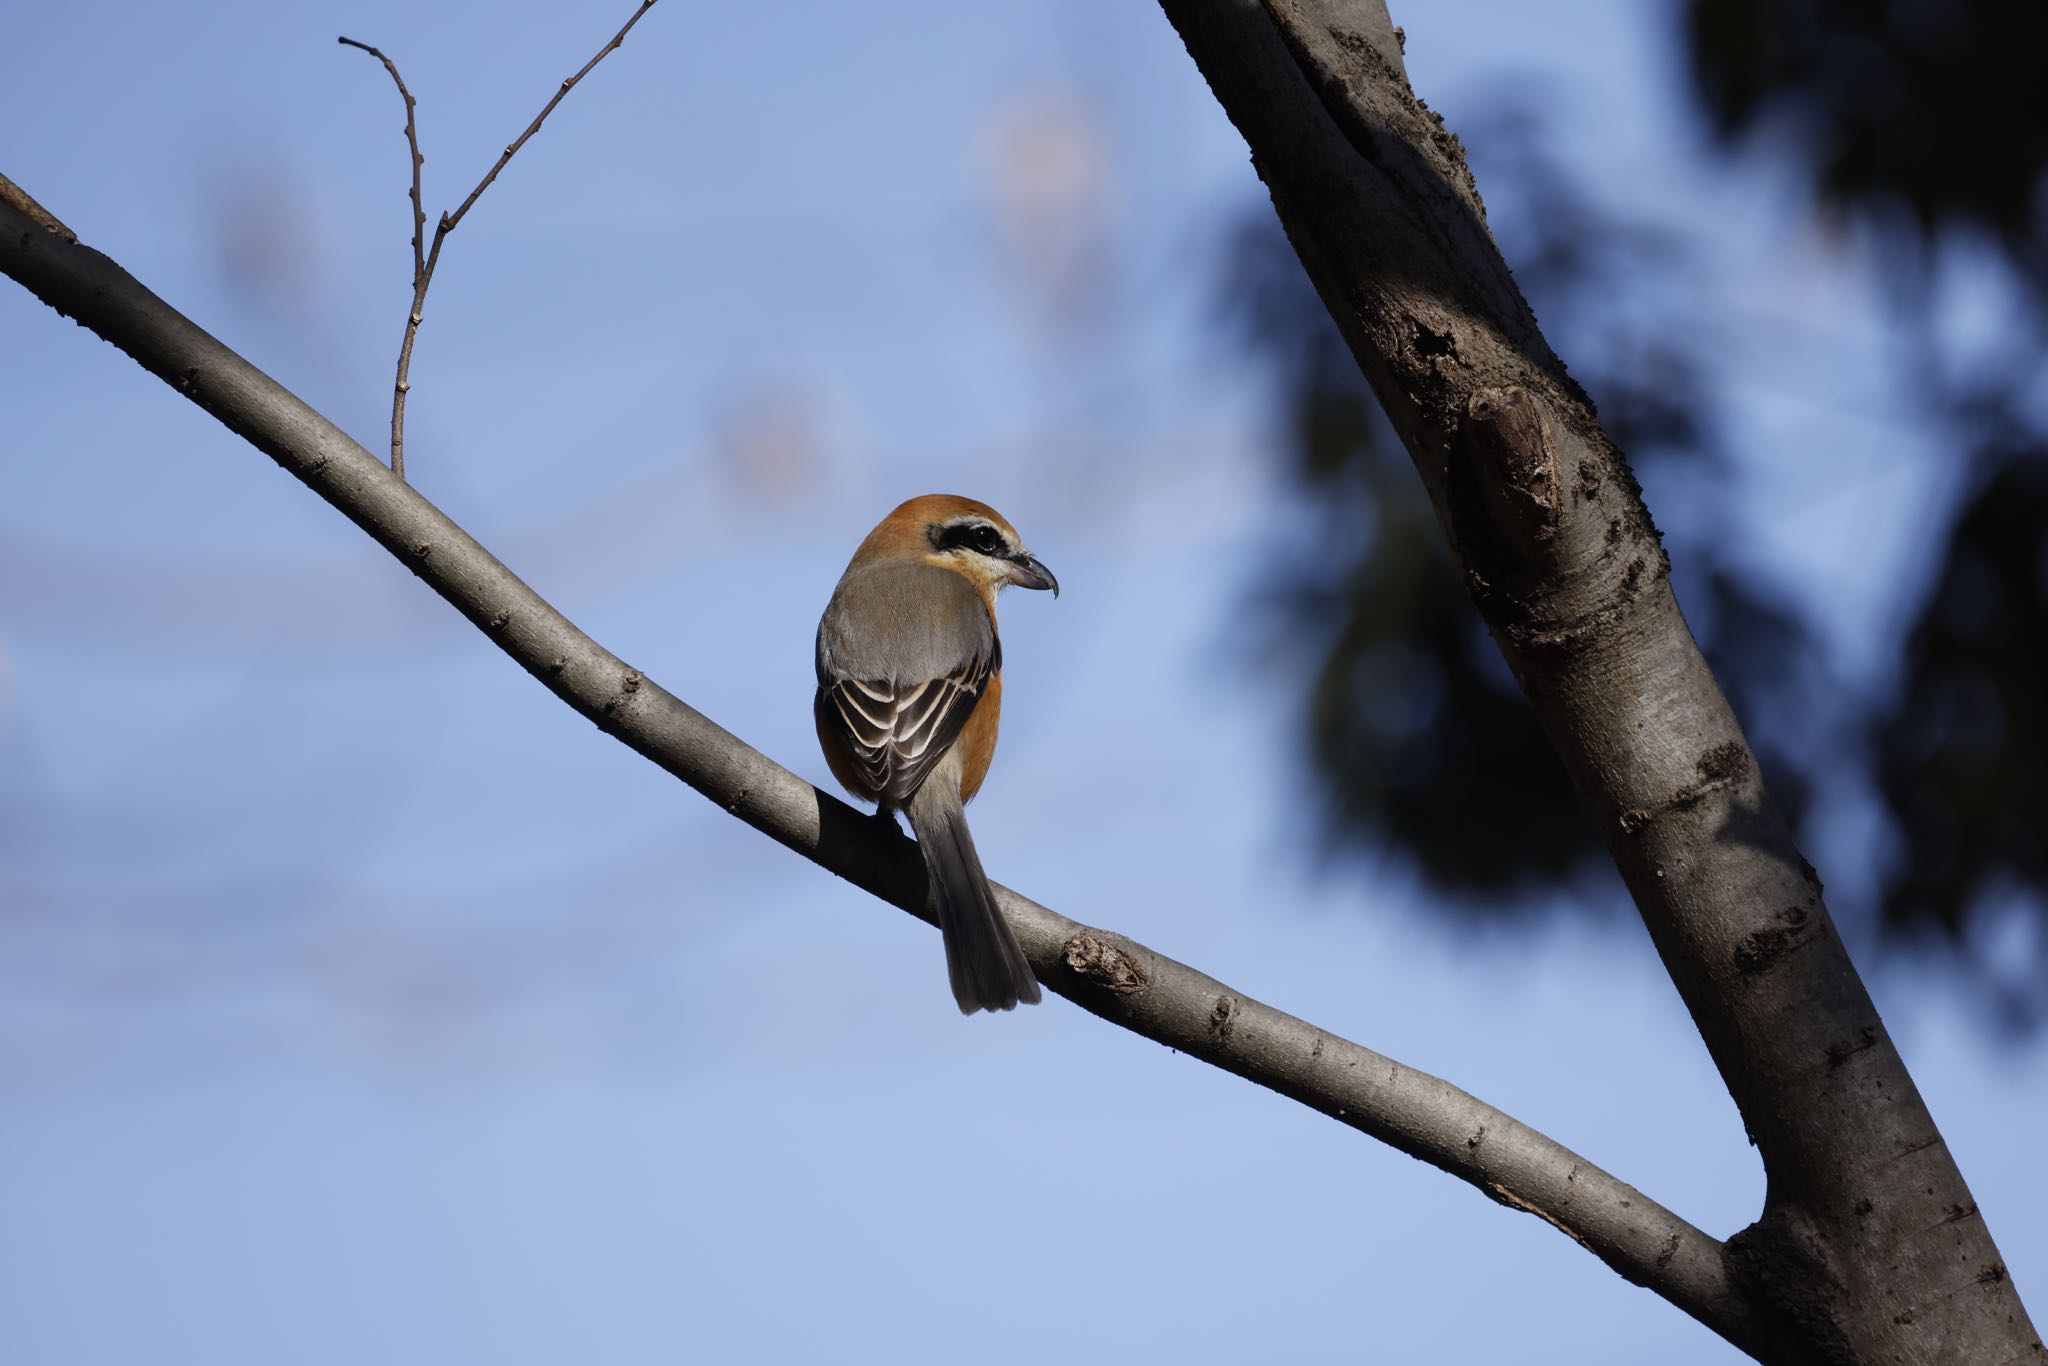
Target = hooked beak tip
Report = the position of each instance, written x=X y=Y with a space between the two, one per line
x=1027 y=572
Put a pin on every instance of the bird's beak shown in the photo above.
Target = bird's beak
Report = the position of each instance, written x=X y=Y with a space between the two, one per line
x=1027 y=572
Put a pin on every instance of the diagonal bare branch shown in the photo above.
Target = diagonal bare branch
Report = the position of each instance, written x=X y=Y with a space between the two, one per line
x=1104 y=973
x=423 y=264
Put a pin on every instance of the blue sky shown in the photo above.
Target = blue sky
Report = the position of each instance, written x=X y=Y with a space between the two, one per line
x=358 y=1001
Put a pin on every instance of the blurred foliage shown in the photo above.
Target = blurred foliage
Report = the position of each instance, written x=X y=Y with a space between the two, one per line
x=1960 y=759
x=1921 y=122
x=1908 y=121
x=1416 y=738
x=1925 y=112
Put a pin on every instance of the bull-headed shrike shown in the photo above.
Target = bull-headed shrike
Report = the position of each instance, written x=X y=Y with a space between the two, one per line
x=910 y=688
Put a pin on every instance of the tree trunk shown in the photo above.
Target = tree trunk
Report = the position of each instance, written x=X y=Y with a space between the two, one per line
x=1869 y=1247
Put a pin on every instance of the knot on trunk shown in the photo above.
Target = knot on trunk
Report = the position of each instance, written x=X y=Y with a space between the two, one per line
x=1511 y=455
x=1552 y=539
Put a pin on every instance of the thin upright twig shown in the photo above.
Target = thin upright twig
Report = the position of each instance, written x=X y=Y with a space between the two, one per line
x=419 y=257
x=412 y=143
x=448 y=221
x=425 y=258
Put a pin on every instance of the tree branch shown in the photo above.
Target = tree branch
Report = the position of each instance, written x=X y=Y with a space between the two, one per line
x=16 y=198
x=423 y=265
x=1869 y=1247
x=1110 y=976
x=448 y=221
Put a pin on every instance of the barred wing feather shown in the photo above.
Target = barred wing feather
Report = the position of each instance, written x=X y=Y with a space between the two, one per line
x=895 y=732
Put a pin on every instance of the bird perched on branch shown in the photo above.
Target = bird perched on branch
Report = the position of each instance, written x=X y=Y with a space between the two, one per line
x=910 y=688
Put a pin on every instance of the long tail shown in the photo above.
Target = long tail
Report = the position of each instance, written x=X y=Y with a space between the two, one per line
x=983 y=961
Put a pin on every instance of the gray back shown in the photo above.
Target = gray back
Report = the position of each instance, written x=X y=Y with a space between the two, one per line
x=903 y=624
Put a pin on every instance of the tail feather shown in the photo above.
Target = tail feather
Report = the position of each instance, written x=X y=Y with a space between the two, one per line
x=987 y=968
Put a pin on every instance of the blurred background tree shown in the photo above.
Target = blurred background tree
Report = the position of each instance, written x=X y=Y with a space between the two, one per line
x=1901 y=127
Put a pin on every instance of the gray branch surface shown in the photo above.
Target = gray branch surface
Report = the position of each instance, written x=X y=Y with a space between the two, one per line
x=1870 y=1247
x=1104 y=973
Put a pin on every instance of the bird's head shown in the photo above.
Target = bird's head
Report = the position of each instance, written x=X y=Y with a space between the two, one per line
x=970 y=538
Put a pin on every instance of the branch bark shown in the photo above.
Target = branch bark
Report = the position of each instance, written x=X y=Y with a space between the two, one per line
x=1104 y=973
x=1869 y=1247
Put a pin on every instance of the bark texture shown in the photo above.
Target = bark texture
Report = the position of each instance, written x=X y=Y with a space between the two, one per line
x=1111 y=976
x=1869 y=1247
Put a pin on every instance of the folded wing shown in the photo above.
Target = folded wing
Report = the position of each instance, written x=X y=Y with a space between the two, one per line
x=894 y=732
